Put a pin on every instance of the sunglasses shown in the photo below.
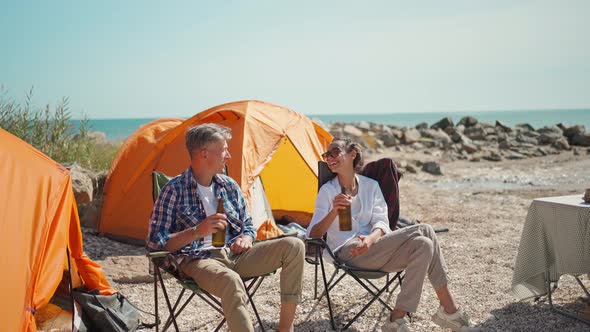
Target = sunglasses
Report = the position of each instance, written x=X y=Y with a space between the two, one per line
x=334 y=153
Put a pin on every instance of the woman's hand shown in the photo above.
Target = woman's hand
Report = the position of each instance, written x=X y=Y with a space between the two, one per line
x=341 y=201
x=363 y=246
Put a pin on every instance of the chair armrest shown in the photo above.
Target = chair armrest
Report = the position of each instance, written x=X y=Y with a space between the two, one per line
x=321 y=243
x=316 y=242
x=157 y=254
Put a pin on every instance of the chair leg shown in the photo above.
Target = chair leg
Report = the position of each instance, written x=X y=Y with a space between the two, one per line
x=315 y=284
x=251 y=301
x=327 y=291
x=376 y=296
x=156 y=299
x=158 y=275
x=331 y=282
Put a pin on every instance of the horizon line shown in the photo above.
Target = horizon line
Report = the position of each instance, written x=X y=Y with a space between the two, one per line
x=348 y=114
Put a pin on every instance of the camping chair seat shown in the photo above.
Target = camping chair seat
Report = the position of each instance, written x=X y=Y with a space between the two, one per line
x=167 y=262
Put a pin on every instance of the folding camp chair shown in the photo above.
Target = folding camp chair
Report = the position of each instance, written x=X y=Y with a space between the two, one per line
x=163 y=260
x=364 y=277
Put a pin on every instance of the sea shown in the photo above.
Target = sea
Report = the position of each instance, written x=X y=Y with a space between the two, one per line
x=119 y=129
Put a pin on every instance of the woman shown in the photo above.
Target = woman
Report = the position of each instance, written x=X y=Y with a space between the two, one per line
x=372 y=245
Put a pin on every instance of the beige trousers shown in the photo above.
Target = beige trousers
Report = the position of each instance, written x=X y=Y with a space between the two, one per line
x=414 y=249
x=221 y=275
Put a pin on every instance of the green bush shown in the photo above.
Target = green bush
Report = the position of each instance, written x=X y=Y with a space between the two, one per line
x=53 y=132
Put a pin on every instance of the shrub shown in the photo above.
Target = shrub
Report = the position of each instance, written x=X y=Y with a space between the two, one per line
x=53 y=132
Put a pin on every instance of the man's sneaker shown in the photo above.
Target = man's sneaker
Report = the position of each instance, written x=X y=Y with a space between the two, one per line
x=458 y=322
x=398 y=325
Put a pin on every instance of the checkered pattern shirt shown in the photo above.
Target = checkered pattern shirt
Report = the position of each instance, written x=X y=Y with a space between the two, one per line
x=179 y=207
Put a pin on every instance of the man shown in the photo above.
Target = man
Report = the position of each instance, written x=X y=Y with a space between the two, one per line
x=184 y=219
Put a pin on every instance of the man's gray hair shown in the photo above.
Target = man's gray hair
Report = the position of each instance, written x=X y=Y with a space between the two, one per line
x=199 y=136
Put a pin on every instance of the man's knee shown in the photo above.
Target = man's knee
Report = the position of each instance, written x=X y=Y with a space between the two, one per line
x=230 y=282
x=294 y=246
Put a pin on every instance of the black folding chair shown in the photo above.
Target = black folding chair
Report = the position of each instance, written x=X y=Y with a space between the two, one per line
x=167 y=262
x=364 y=277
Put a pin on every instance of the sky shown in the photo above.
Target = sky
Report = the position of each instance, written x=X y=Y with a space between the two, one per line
x=149 y=59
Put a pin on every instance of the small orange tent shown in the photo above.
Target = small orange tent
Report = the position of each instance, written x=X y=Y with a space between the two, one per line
x=277 y=144
x=38 y=222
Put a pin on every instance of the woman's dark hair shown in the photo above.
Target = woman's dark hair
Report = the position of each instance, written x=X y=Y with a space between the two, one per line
x=350 y=146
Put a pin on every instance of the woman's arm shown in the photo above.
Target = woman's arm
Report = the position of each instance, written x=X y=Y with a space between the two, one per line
x=340 y=201
x=321 y=227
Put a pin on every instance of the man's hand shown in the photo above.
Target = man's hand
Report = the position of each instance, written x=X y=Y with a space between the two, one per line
x=363 y=246
x=241 y=244
x=211 y=224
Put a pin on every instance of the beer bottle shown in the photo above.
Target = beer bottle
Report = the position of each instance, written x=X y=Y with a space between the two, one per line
x=344 y=216
x=218 y=238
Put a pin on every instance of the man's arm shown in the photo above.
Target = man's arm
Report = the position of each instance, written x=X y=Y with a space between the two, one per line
x=163 y=218
x=244 y=241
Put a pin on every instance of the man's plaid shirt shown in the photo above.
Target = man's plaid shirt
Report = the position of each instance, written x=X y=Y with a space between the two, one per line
x=179 y=207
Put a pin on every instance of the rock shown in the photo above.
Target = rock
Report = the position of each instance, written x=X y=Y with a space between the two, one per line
x=541 y=151
x=458 y=137
x=526 y=139
x=493 y=156
x=81 y=183
x=411 y=136
x=524 y=127
x=561 y=144
x=98 y=182
x=469 y=148
x=89 y=214
x=468 y=121
x=421 y=125
x=475 y=133
x=514 y=155
x=432 y=167
x=411 y=169
x=503 y=127
x=371 y=141
x=549 y=134
x=364 y=126
x=443 y=123
x=437 y=135
x=352 y=131
x=574 y=131
x=581 y=140
x=388 y=138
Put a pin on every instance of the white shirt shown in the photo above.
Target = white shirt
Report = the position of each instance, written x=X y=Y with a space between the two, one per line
x=368 y=210
x=207 y=195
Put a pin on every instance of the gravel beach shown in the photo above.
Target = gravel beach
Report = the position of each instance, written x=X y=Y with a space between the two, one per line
x=483 y=205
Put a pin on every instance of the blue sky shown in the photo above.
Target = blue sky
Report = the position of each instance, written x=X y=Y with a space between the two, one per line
x=128 y=59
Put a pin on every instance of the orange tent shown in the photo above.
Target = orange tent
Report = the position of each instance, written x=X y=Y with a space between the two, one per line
x=39 y=221
x=277 y=144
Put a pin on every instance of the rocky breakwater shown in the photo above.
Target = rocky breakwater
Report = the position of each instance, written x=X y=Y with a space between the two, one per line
x=469 y=139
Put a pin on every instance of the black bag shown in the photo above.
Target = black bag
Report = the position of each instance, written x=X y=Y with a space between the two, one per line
x=107 y=312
